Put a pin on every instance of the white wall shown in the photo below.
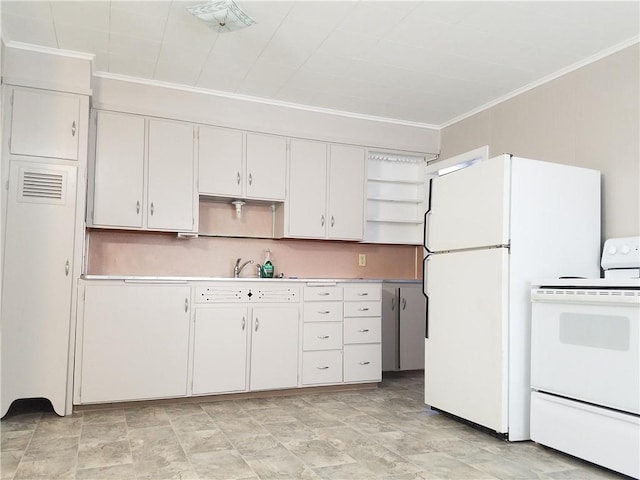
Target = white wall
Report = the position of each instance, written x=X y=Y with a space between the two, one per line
x=199 y=107
x=589 y=118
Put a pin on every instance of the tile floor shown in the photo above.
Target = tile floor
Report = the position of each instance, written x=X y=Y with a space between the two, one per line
x=384 y=433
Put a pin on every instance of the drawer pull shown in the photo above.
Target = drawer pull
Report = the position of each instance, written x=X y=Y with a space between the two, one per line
x=363 y=309
x=322 y=367
x=364 y=363
x=323 y=294
x=323 y=337
x=363 y=330
x=324 y=312
x=363 y=294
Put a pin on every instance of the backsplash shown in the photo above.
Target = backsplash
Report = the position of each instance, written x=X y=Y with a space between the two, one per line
x=162 y=254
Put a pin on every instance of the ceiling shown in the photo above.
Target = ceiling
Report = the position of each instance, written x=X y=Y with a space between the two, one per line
x=423 y=62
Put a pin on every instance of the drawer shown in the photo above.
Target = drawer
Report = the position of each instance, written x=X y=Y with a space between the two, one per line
x=363 y=292
x=362 y=309
x=362 y=363
x=215 y=294
x=322 y=294
x=362 y=330
x=323 y=312
x=322 y=367
x=322 y=336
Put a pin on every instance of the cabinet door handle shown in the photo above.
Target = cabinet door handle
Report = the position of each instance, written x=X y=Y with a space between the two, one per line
x=238 y=178
x=404 y=303
x=151 y=210
x=393 y=303
x=73 y=129
x=250 y=179
x=364 y=363
x=324 y=312
x=186 y=304
x=333 y=221
x=66 y=268
x=322 y=367
x=257 y=324
x=363 y=294
x=322 y=220
x=363 y=309
x=138 y=207
x=244 y=322
x=323 y=337
x=363 y=330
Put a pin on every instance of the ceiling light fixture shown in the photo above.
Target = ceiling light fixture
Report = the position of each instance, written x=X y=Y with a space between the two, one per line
x=222 y=15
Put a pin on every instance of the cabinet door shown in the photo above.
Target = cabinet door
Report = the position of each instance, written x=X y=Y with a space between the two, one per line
x=220 y=350
x=37 y=282
x=390 y=361
x=307 y=189
x=274 y=348
x=135 y=342
x=346 y=193
x=220 y=162
x=266 y=171
x=171 y=196
x=45 y=124
x=118 y=171
x=413 y=311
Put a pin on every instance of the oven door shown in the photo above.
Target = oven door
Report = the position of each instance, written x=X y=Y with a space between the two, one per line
x=585 y=345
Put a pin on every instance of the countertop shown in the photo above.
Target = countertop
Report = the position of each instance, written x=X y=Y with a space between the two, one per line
x=184 y=279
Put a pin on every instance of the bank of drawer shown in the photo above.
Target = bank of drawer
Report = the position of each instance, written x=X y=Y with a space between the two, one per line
x=322 y=367
x=322 y=294
x=323 y=312
x=364 y=292
x=362 y=309
x=362 y=363
x=322 y=336
x=362 y=330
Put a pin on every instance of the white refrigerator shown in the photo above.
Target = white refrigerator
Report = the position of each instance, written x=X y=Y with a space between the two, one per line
x=491 y=227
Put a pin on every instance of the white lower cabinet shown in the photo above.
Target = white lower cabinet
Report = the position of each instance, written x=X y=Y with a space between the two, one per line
x=322 y=367
x=220 y=350
x=135 y=342
x=362 y=363
x=274 y=347
x=362 y=333
x=140 y=340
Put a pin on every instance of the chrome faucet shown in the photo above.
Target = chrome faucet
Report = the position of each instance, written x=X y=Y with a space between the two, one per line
x=238 y=268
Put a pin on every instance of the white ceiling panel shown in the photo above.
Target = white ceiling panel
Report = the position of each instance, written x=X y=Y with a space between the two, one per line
x=78 y=38
x=36 y=30
x=91 y=15
x=415 y=61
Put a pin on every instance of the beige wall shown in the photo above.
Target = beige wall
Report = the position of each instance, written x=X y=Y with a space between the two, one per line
x=589 y=117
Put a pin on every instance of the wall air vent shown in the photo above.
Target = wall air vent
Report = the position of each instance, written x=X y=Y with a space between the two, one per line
x=42 y=186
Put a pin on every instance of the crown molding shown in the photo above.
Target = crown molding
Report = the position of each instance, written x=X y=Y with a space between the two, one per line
x=594 y=58
x=264 y=101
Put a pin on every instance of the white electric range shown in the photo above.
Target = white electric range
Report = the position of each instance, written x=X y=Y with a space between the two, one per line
x=585 y=362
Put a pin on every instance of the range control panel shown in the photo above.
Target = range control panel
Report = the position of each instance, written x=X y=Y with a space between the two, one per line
x=621 y=252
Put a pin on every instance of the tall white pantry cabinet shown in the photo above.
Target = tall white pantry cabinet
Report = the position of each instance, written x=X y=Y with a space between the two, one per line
x=43 y=169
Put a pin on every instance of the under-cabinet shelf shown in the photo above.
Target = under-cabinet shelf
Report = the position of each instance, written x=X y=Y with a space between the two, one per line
x=396 y=180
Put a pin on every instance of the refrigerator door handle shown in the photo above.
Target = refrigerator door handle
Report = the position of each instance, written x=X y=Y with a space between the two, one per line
x=426 y=217
x=426 y=296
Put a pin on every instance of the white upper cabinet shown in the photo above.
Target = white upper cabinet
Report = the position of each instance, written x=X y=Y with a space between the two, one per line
x=144 y=174
x=307 y=201
x=220 y=158
x=346 y=192
x=45 y=124
x=326 y=191
x=172 y=195
x=241 y=165
x=119 y=170
x=266 y=170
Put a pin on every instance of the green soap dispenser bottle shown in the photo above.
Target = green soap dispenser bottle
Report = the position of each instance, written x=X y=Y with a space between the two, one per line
x=267 y=268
